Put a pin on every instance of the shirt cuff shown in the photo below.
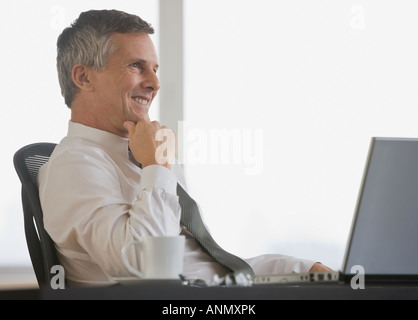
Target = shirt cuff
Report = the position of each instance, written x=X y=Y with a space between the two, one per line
x=156 y=176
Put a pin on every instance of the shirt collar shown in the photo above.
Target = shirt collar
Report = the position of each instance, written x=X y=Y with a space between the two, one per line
x=109 y=141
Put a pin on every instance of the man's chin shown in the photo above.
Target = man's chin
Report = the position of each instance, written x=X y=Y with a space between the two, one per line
x=141 y=118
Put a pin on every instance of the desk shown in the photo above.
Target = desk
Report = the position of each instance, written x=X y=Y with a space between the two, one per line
x=177 y=292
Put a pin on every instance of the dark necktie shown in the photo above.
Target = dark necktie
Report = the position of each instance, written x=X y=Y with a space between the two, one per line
x=191 y=219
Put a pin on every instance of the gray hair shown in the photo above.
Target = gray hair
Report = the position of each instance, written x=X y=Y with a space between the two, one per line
x=88 y=41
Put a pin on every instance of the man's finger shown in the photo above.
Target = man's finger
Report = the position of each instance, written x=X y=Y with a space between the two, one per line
x=130 y=126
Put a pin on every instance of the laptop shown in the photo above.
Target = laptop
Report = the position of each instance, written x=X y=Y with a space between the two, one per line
x=383 y=240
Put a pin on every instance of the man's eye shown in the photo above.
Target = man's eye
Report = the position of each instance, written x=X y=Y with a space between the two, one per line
x=137 y=65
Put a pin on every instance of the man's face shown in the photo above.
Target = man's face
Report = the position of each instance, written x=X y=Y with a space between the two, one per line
x=126 y=87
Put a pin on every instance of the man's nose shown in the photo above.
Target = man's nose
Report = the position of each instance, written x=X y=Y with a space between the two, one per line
x=151 y=81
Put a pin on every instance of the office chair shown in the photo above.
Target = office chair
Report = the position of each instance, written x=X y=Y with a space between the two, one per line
x=27 y=162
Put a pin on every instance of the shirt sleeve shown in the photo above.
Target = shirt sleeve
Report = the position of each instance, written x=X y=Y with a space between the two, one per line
x=87 y=213
x=279 y=264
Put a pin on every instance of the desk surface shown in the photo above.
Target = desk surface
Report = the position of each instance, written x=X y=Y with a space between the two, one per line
x=177 y=292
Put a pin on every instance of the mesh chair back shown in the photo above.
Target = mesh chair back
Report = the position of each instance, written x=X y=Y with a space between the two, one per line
x=27 y=161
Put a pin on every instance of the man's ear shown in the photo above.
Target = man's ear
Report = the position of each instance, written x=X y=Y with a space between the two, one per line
x=81 y=75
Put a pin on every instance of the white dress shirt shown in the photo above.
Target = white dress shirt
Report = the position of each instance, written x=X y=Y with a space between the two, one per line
x=95 y=200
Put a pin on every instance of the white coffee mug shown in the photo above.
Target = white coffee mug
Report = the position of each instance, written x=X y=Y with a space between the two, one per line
x=160 y=257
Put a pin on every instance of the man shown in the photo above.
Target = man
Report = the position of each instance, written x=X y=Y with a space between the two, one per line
x=95 y=197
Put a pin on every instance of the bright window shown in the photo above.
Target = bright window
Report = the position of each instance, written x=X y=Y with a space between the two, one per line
x=316 y=79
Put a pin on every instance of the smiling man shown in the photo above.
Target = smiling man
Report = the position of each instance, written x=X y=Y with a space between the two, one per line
x=94 y=195
x=123 y=90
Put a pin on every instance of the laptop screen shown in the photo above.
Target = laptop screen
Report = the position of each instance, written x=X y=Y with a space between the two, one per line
x=384 y=234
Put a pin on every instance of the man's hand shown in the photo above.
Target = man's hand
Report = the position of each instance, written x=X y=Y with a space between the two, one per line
x=319 y=267
x=151 y=143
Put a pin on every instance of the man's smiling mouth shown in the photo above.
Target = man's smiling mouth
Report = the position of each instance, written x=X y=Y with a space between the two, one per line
x=140 y=100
